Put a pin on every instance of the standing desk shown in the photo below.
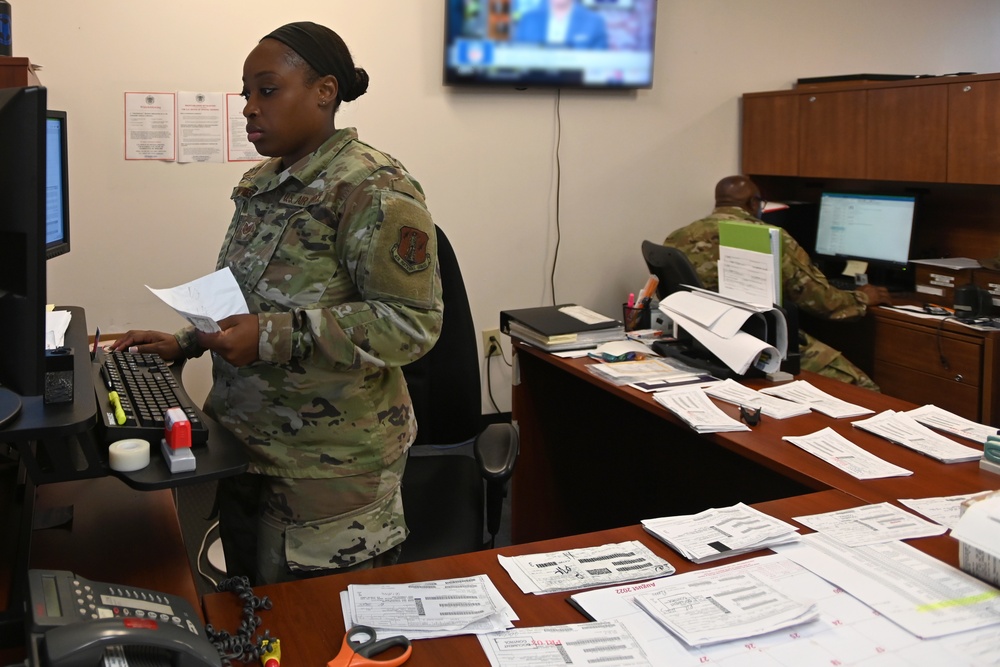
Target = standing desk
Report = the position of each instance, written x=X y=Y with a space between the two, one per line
x=308 y=619
x=595 y=455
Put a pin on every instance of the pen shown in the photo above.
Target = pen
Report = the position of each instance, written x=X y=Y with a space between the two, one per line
x=106 y=377
x=117 y=403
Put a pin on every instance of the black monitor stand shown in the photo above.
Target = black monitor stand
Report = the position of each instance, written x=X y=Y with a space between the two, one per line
x=10 y=405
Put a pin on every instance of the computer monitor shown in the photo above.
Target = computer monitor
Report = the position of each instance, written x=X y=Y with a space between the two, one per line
x=56 y=185
x=22 y=239
x=869 y=227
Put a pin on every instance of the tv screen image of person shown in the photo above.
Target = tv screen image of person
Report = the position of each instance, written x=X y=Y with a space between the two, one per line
x=550 y=43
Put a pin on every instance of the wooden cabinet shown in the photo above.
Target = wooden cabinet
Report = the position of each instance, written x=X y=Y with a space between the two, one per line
x=935 y=130
x=951 y=366
x=832 y=134
x=907 y=134
x=771 y=135
x=974 y=132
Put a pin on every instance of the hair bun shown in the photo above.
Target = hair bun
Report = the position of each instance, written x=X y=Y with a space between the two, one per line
x=359 y=87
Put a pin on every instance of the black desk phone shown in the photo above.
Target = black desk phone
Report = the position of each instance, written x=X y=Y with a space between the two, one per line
x=80 y=623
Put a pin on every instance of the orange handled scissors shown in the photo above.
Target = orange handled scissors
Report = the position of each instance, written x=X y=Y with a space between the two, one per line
x=361 y=643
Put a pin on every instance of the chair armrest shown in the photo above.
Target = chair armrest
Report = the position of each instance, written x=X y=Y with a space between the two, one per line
x=496 y=449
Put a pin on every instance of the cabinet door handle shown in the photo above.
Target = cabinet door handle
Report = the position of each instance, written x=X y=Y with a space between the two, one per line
x=966 y=89
x=812 y=99
x=959 y=377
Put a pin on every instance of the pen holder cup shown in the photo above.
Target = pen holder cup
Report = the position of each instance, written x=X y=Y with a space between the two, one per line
x=635 y=317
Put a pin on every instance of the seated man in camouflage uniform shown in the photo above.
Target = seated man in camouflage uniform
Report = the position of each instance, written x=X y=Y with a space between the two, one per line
x=738 y=198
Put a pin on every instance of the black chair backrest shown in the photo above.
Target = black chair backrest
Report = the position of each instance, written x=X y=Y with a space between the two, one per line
x=444 y=383
x=671 y=266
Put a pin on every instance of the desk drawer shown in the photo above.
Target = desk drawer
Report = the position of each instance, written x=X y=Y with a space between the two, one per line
x=921 y=349
x=921 y=388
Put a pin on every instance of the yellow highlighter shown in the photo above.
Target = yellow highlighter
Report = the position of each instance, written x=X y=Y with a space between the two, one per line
x=117 y=403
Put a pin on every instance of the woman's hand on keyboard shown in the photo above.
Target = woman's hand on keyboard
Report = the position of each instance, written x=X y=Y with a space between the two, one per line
x=149 y=342
x=237 y=342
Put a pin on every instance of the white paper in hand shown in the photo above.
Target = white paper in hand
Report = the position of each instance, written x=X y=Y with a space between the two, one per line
x=206 y=300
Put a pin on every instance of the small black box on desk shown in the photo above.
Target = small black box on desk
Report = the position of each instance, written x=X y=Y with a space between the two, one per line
x=59 y=375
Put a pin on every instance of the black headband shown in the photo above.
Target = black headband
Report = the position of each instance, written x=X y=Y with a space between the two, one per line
x=319 y=46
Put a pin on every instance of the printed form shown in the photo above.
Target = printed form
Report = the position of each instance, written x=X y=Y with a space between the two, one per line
x=925 y=596
x=585 y=568
x=903 y=429
x=805 y=393
x=720 y=533
x=607 y=643
x=841 y=453
x=427 y=609
x=870 y=524
x=949 y=422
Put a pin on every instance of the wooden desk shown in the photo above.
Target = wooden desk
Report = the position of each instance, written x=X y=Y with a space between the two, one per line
x=945 y=363
x=595 y=456
x=308 y=619
x=117 y=534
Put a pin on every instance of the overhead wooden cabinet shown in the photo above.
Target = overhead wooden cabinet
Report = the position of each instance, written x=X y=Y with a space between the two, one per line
x=771 y=135
x=974 y=132
x=907 y=134
x=934 y=130
x=832 y=134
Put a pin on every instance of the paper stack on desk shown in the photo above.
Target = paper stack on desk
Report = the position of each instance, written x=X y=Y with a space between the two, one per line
x=720 y=533
x=802 y=392
x=390 y=608
x=902 y=429
x=698 y=411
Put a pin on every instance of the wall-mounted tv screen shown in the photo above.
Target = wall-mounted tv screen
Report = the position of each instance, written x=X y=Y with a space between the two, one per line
x=550 y=43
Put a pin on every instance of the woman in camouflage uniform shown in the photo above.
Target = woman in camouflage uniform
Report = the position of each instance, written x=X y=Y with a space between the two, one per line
x=335 y=252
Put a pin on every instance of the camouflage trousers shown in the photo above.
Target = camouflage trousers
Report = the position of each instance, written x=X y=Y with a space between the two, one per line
x=819 y=357
x=280 y=529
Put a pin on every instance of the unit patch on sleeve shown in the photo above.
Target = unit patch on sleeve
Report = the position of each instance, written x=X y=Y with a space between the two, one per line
x=410 y=251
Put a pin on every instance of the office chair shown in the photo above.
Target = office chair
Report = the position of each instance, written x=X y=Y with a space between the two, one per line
x=671 y=266
x=443 y=487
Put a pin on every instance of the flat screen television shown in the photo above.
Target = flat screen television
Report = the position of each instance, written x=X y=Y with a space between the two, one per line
x=870 y=227
x=22 y=239
x=599 y=44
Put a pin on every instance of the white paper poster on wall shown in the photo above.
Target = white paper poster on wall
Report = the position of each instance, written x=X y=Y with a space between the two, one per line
x=239 y=148
x=201 y=127
x=150 y=126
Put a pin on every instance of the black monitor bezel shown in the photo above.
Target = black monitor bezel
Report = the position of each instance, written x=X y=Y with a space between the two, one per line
x=22 y=239
x=62 y=246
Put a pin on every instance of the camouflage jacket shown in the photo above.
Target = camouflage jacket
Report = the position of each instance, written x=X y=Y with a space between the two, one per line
x=802 y=281
x=337 y=256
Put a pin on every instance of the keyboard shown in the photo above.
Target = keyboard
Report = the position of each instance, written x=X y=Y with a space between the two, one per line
x=146 y=389
x=843 y=282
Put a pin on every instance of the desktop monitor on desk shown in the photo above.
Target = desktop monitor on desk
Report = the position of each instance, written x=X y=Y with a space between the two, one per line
x=871 y=228
x=34 y=226
x=22 y=239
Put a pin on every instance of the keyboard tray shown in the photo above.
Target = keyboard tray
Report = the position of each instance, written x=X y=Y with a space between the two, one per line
x=146 y=388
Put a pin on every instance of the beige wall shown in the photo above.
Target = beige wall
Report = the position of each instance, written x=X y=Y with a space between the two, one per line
x=634 y=165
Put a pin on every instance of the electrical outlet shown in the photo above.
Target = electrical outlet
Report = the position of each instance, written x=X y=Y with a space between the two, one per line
x=490 y=348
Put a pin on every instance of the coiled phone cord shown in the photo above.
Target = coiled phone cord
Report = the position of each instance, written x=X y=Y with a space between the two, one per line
x=244 y=646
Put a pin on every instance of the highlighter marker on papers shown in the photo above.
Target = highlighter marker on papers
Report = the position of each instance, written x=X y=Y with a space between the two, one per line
x=117 y=404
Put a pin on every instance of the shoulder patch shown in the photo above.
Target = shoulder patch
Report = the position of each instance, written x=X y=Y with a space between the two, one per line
x=410 y=250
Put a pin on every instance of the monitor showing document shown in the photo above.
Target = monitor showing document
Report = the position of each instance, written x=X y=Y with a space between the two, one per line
x=874 y=228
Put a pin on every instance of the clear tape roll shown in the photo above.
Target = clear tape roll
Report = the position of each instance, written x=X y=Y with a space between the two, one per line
x=128 y=455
